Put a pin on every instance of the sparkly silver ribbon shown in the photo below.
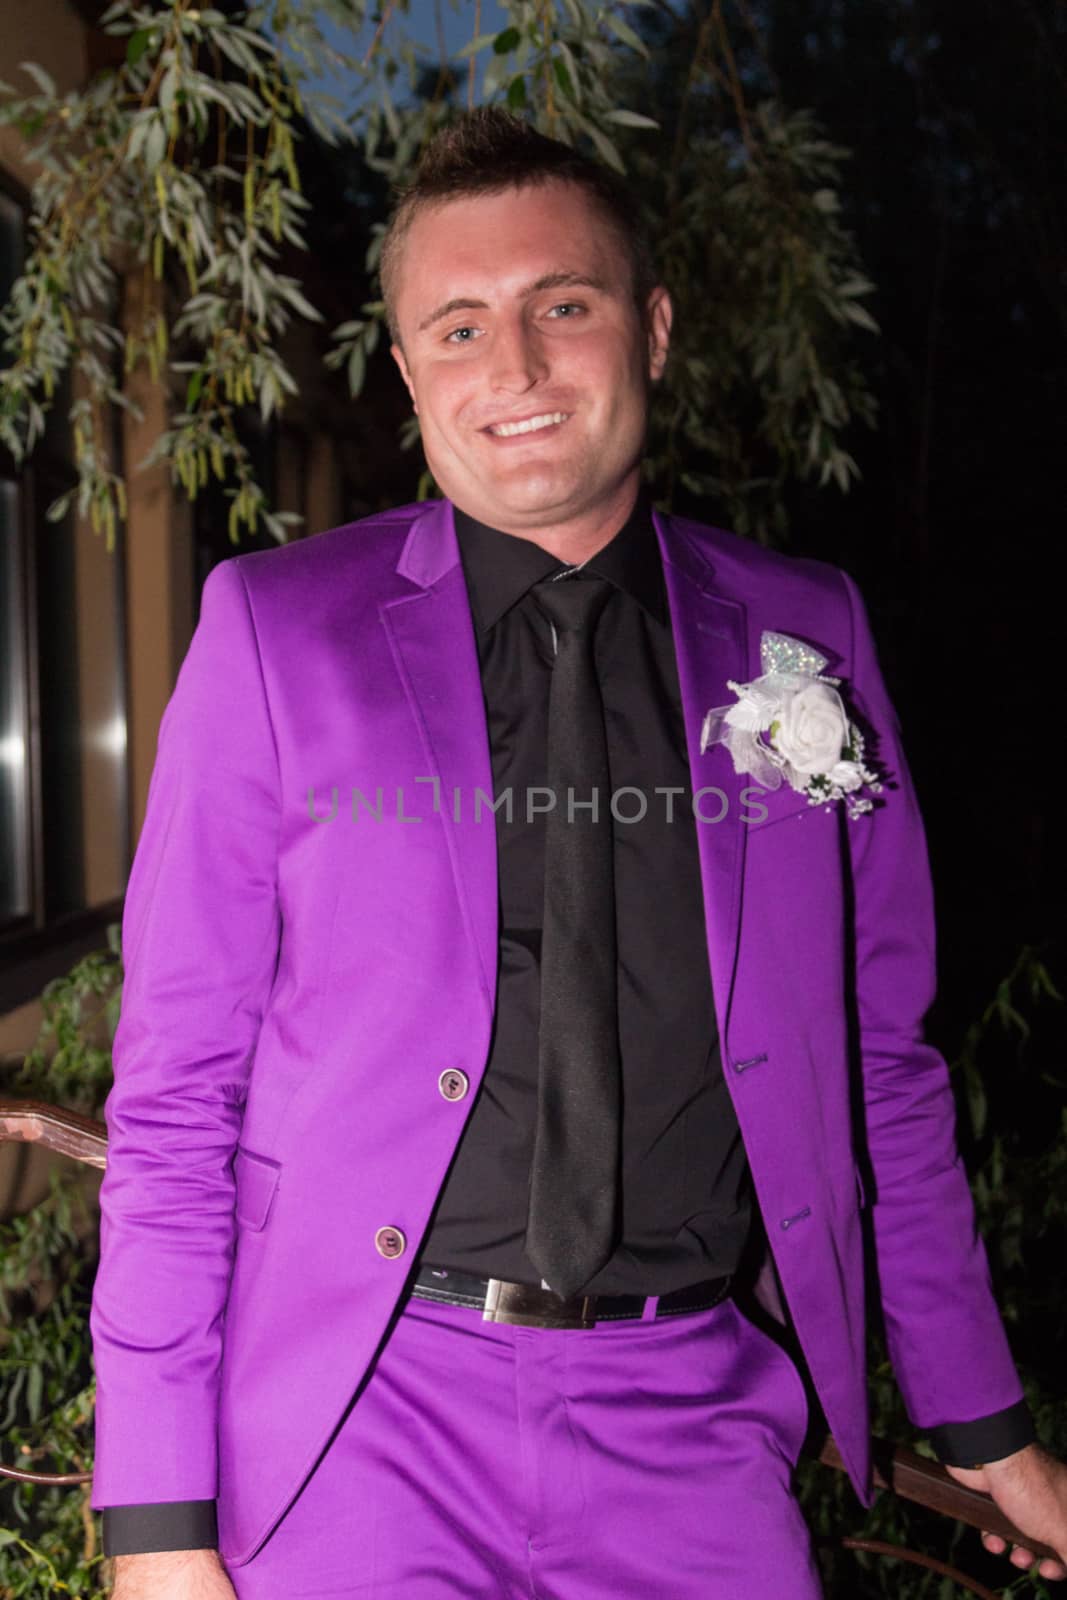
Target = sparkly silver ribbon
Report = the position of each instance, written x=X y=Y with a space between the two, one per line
x=779 y=653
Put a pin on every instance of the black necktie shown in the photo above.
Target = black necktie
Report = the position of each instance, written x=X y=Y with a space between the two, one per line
x=570 y=1229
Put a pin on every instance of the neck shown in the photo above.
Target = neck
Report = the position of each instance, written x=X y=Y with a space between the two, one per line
x=581 y=536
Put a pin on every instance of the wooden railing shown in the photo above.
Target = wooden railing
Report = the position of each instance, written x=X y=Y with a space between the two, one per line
x=898 y=1470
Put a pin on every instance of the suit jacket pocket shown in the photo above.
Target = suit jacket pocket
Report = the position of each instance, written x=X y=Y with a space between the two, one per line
x=764 y=807
x=256 y=1178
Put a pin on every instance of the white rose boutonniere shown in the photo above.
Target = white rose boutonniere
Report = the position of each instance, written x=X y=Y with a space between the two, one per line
x=791 y=724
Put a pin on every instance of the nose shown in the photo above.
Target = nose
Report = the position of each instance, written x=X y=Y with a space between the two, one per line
x=518 y=361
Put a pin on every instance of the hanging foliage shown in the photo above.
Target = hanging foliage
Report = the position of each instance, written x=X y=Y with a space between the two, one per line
x=182 y=165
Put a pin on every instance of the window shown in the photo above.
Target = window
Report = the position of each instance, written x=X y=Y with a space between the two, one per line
x=64 y=809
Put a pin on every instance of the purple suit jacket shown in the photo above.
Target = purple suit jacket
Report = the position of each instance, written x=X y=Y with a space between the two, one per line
x=297 y=978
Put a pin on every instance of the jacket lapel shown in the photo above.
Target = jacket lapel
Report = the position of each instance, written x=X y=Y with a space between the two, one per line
x=433 y=639
x=710 y=641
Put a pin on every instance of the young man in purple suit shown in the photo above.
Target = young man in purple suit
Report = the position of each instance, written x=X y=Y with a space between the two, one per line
x=489 y=1010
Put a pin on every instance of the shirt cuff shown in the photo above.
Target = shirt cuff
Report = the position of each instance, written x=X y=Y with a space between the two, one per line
x=966 y=1444
x=170 y=1525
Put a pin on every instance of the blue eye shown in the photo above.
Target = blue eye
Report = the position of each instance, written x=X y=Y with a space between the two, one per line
x=567 y=305
x=452 y=339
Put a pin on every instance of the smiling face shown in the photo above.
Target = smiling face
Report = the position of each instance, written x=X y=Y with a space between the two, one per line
x=527 y=362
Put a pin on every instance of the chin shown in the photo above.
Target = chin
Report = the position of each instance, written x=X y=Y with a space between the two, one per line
x=519 y=495
x=538 y=492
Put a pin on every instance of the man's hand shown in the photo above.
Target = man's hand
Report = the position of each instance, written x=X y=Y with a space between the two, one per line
x=172 y=1575
x=1030 y=1487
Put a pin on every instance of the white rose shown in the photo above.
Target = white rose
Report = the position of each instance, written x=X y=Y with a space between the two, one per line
x=812 y=730
x=847 y=776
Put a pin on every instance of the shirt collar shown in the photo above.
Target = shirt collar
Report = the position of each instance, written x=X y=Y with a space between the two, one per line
x=500 y=568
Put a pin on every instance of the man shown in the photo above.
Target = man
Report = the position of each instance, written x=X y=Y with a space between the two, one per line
x=450 y=1106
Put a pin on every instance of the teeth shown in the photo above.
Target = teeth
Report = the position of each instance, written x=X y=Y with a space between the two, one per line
x=506 y=430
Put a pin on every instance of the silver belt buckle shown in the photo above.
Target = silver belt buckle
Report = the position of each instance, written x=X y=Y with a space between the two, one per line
x=521 y=1306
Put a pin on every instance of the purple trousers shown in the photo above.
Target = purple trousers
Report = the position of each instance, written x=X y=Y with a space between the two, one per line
x=635 y=1459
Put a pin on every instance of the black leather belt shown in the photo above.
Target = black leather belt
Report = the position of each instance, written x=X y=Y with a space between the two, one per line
x=522 y=1305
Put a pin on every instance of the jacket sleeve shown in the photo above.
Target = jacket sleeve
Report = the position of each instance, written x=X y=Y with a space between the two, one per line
x=991 y=1438
x=200 y=943
x=167 y=1525
x=946 y=1340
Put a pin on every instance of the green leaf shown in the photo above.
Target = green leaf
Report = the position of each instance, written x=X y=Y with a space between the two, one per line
x=862 y=318
x=40 y=77
x=629 y=119
x=480 y=42
x=517 y=94
x=155 y=144
x=604 y=147
x=505 y=42
x=168 y=88
x=268 y=398
x=357 y=367
x=291 y=293
x=137 y=46
x=392 y=121
x=572 y=71
x=622 y=30
x=35 y=1392
x=59 y=507
x=192 y=393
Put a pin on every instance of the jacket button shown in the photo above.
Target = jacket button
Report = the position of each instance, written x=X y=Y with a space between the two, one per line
x=453 y=1084
x=390 y=1243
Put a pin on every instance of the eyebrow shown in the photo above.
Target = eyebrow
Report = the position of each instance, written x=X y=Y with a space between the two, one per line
x=550 y=280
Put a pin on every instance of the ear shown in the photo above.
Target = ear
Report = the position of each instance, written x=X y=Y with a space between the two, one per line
x=398 y=356
x=659 y=315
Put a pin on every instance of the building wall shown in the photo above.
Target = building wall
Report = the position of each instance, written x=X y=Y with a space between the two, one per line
x=50 y=33
x=131 y=612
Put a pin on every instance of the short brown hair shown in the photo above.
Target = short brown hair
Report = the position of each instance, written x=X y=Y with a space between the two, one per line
x=487 y=151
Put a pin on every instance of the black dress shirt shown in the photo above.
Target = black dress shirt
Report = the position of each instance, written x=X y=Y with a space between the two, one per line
x=686 y=1196
x=686 y=1206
